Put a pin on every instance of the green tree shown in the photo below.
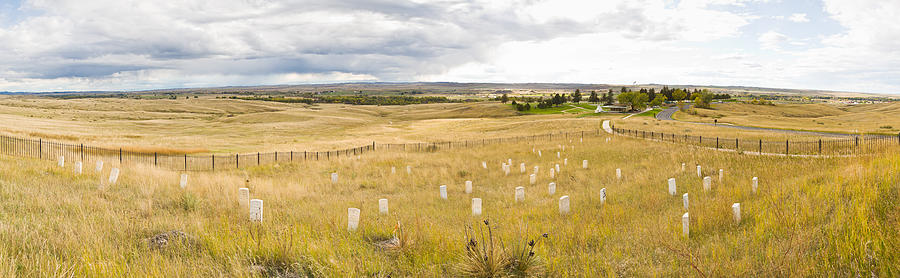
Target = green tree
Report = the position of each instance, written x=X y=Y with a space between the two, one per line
x=576 y=97
x=609 y=98
x=504 y=98
x=660 y=98
x=679 y=95
x=636 y=100
x=703 y=99
x=594 y=98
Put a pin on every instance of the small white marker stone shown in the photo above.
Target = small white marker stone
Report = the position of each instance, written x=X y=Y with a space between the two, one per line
x=62 y=161
x=564 y=205
x=468 y=187
x=522 y=167
x=520 y=194
x=536 y=168
x=551 y=188
x=698 y=171
x=78 y=168
x=707 y=183
x=584 y=164
x=352 y=219
x=244 y=198
x=684 y=199
x=256 y=210
x=393 y=170
x=686 y=225
x=683 y=167
x=539 y=153
x=552 y=173
x=476 y=206
x=618 y=173
x=565 y=162
x=532 y=178
x=672 y=190
x=184 y=180
x=721 y=174
x=557 y=168
x=383 y=206
x=484 y=164
x=408 y=169
x=334 y=177
x=736 y=208
x=603 y=195
x=557 y=154
x=509 y=162
x=755 y=184
x=113 y=176
x=443 y=190
x=99 y=166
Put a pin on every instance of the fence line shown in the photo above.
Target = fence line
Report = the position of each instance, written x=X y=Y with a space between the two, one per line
x=42 y=149
x=831 y=146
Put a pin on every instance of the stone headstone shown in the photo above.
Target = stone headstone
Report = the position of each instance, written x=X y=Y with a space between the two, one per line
x=476 y=206
x=557 y=154
x=443 y=190
x=683 y=167
x=113 y=176
x=602 y=195
x=256 y=210
x=552 y=173
x=383 y=206
x=736 y=208
x=244 y=198
x=536 y=168
x=684 y=199
x=522 y=167
x=564 y=205
x=334 y=177
x=352 y=219
x=393 y=170
x=520 y=194
x=533 y=178
x=698 y=171
x=78 y=168
x=721 y=174
x=686 y=225
x=61 y=161
x=551 y=188
x=580 y=140
x=99 y=166
x=183 y=182
x=408 y=169
x=539 y=153
x=754 y=184
x=484 y=164
x=565 y=162
x=672 y=188
x=557 y=168
x=618 y=174
x=584 y=164
x=707 y=183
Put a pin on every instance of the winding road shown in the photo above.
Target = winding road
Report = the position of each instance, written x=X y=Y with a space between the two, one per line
x=666 y=115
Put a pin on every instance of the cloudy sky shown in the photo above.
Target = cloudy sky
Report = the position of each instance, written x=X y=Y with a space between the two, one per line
x=54 y=45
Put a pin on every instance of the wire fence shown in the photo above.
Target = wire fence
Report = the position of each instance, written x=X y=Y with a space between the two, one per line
x=43 y=149
x=830 y=146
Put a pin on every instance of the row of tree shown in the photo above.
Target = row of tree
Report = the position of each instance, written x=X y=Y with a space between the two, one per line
x=635 y=100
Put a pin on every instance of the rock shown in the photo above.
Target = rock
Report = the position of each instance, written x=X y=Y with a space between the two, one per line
x=163 y=240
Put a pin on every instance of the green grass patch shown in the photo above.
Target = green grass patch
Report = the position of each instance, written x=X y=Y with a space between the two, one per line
x=650 y=113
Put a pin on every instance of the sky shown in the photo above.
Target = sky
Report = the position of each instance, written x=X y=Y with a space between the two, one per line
x=88 y=45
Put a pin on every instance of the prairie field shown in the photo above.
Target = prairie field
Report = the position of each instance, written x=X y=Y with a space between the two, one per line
x=808 y=216
x=877 y=118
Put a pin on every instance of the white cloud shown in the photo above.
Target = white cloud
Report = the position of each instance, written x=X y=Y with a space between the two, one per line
x=800 y=17
x=772 y=40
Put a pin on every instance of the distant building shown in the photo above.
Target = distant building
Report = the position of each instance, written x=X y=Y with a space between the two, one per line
x=611 y=108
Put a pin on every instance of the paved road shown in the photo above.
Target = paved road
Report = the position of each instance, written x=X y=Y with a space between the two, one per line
x=666 y=115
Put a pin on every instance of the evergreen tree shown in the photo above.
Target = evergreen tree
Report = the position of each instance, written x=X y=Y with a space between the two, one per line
x=576 y=97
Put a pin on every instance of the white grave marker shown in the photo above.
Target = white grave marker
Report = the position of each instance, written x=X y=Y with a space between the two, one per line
x=520 y=194
x=256 y=210
x=698 y=171
x=683 y=167
x=602 y=195
x=536 y=168
x=244 y=198
x=113 y=176
x=584 y=164
x=393 y=170
x=383 y=206
x=183 y=182
x=99 y=166
x=565 y=162
x=484 y=164
x=539 y=153
x=476 y=206
x=707 y=183
x=533 y=178
x=618 y=173
x=564 y=205
x=522 y=167
x=672 y=186
x=557 y=168
x=686 y=225
x=62 y=161
x=754 y=184
x=352 y=219
x=408 y=170
x=721 y=174
x=736 y=208
x=552 y=173
x=78 y=168
x=684 y=199
x=557 y=154
x=468 y=187
x=443 y=189
x=551 y=188
x=334 y=178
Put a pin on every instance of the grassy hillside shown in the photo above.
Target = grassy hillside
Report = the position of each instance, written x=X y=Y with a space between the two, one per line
x=863 y=118
x=809 y=217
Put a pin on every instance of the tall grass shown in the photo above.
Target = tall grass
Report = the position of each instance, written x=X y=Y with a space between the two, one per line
x=810 y=217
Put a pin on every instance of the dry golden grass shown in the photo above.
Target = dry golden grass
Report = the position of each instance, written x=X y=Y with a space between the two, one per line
x=810 y=217
x=863 y=118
